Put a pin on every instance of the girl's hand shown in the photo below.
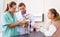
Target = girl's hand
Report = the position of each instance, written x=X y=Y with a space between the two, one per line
x=37 y=26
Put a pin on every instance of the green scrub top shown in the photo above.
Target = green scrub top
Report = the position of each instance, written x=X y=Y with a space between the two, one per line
x=6 y=20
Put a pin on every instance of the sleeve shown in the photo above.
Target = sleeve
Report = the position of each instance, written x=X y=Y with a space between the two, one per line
x=18 y=16
x=5 y=20
x=51 y=30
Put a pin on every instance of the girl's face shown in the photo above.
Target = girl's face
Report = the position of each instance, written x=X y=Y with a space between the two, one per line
x=50 y=15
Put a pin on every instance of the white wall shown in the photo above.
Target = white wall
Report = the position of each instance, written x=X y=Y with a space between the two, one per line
x=1 y=7
x=1 y=11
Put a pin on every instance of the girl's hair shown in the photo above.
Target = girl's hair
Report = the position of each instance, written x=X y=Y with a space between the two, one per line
x=56 y=14
x=21 y=4
x=10 y=5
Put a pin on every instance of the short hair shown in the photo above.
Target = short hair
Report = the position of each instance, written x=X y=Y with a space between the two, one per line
x=21 y=4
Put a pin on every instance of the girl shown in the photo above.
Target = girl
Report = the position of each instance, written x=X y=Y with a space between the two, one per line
x=54 y=29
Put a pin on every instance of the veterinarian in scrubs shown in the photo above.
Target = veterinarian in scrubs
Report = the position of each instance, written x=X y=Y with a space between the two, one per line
x=9 y=21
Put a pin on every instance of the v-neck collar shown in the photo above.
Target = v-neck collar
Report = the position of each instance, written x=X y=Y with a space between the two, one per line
x=12 y=18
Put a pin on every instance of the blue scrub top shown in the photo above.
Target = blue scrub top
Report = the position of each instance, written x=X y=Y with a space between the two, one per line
x=6 y=20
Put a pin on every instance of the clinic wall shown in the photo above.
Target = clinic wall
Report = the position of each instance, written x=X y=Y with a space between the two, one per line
x=1 y=12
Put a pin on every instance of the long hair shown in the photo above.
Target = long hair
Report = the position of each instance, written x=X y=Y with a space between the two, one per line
x=7 y=8
x=10 y=5
x=56 y=14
